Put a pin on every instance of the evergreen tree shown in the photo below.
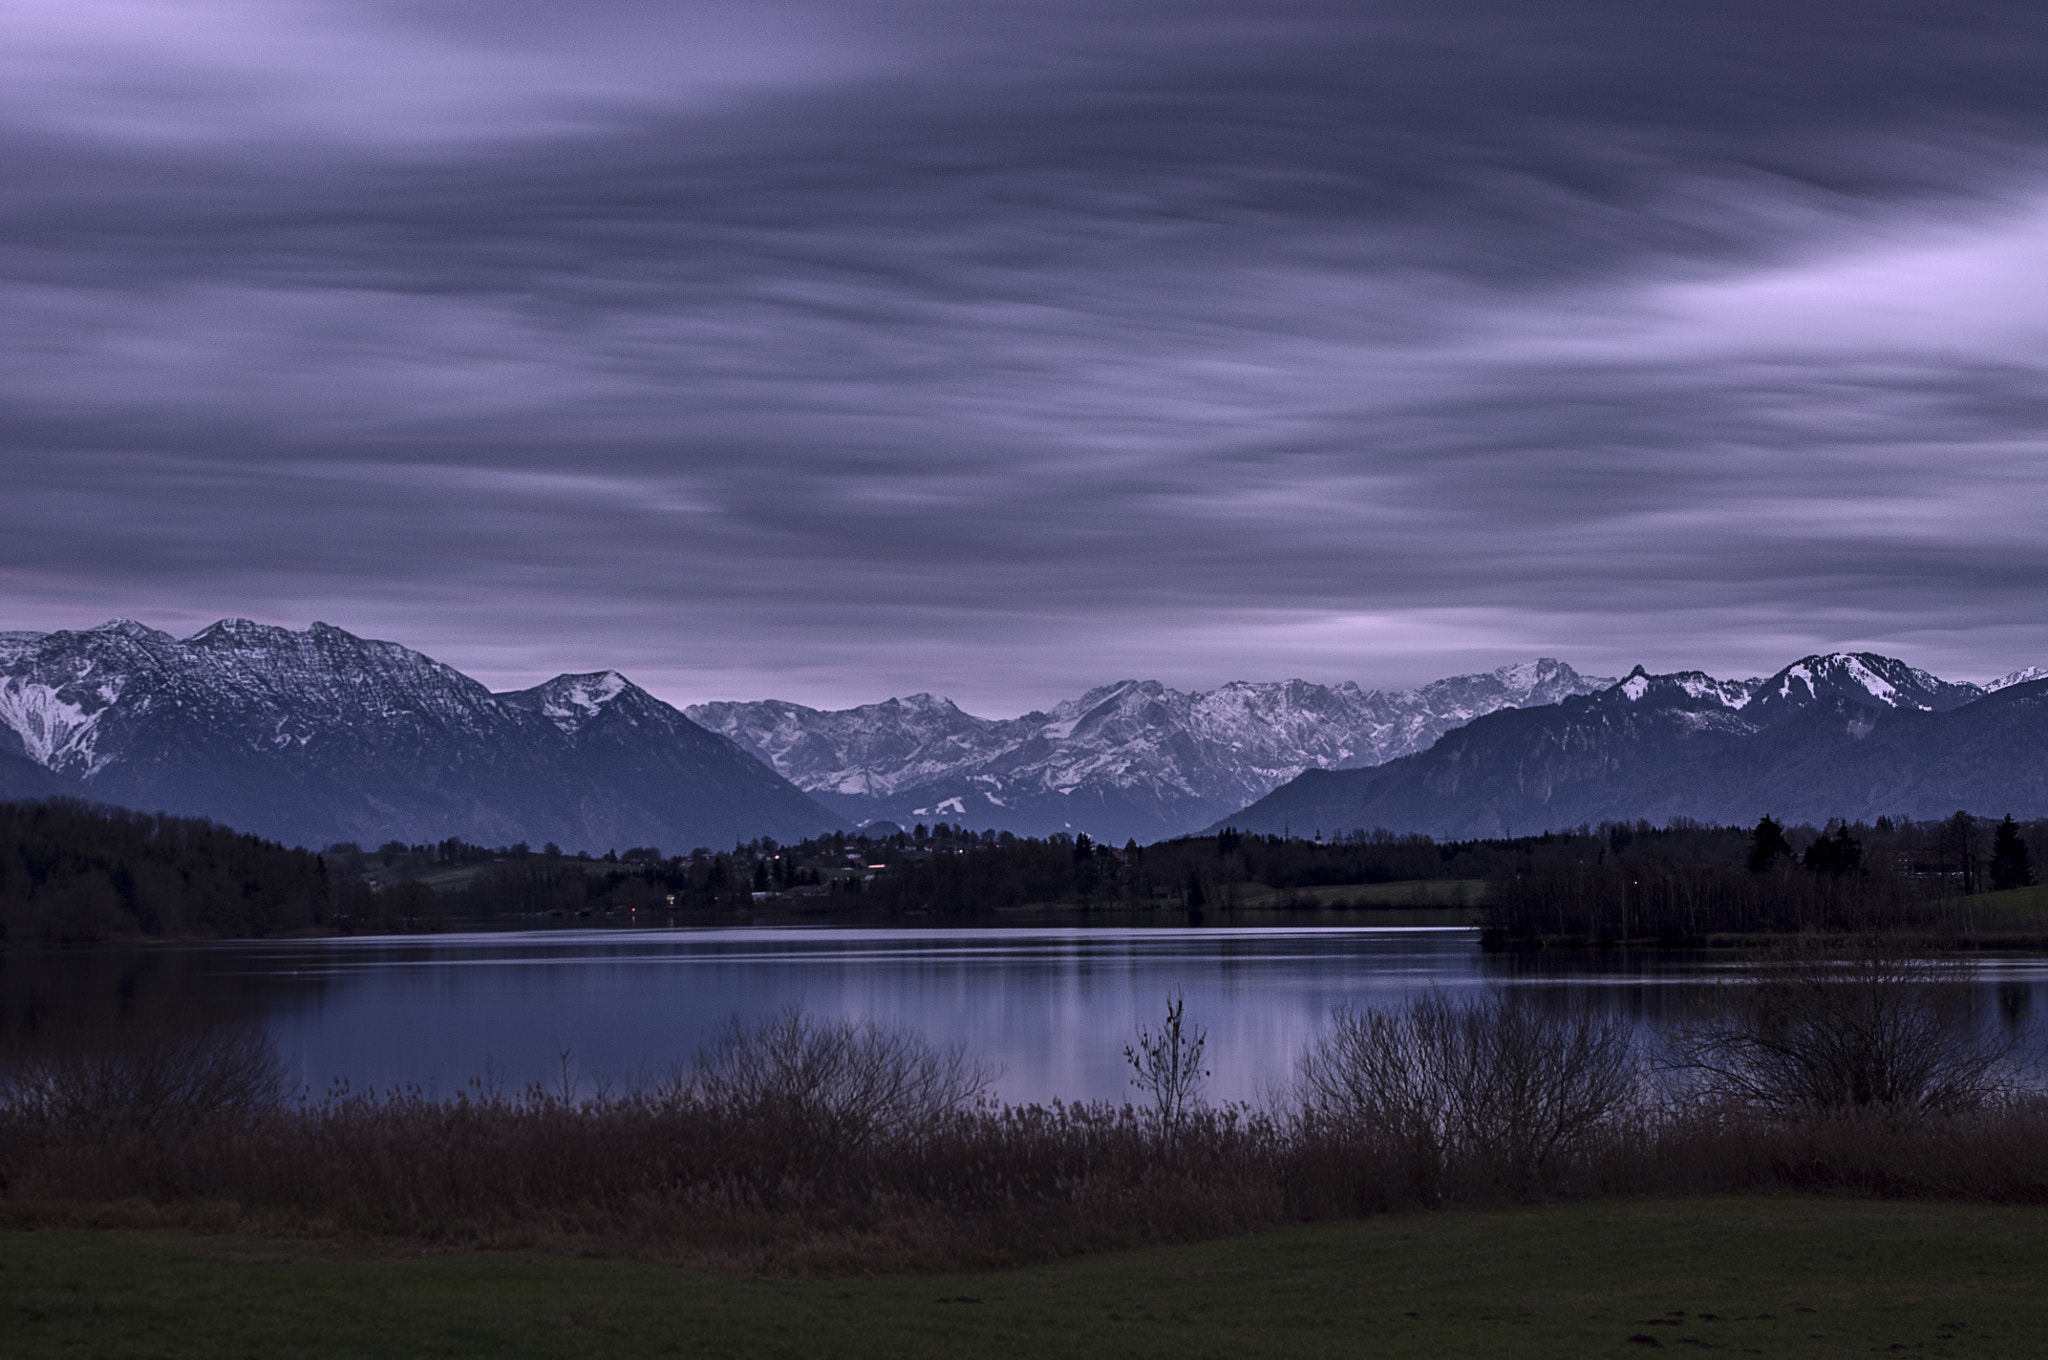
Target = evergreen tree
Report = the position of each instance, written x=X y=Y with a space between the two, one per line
x=2011 y=867
x=1766 y=844
x=1836 y=854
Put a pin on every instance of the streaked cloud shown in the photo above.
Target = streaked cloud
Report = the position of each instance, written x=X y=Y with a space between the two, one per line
x=835 y=351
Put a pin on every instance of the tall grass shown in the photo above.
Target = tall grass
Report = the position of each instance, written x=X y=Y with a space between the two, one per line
x=811 y=1146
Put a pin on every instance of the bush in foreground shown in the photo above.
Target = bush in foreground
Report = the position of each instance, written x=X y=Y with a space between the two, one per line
x=812 y=1146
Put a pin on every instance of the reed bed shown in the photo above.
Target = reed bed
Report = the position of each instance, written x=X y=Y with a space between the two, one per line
x=814 y=1147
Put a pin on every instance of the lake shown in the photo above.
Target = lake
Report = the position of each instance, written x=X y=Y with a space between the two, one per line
x=1052 y=1006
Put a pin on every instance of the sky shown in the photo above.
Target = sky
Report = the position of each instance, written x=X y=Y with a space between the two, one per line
x=829 y=351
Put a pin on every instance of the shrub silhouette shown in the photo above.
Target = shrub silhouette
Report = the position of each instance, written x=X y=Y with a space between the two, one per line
x=1877 y=1027
x=1494 y=1091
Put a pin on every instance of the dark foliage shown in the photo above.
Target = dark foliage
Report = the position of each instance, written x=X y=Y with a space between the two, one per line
x=932 y=870
x=1876 y=1024
x=1685 y=882
x=1767 y=845
x=73 y=872
x=2011 y=865
x=807 y=1146
x=1838 y=854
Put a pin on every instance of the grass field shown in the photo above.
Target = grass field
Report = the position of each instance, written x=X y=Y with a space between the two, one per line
x=2034 y=899
x=1436 y=892
x=1778 y=1276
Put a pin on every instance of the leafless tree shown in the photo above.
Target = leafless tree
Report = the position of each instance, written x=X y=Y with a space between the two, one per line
x=1501 y=1084
x=1167 y=1067
x=844 y=1081
x=143 y=1074
x=1830 y=1027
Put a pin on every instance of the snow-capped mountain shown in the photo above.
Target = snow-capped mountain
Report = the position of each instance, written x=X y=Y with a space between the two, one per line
x=1861 y=678
x=319 y=736
x=1844 y=734
x=1132 y=759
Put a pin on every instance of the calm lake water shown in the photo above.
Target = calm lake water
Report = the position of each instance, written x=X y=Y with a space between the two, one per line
x=1052 y=1006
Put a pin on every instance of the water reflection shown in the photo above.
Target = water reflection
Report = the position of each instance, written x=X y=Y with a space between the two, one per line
x=1053 y=1006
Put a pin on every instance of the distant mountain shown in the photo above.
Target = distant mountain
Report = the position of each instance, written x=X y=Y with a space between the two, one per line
x=2017 y=678
x=1861 y=678
x=1132 y=759
x=1846 y=734
x=318 y=736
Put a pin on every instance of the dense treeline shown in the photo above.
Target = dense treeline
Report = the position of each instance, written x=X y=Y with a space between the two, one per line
x=1685 y=881
x=946 y=870
x=73 y=872
x=943 y=870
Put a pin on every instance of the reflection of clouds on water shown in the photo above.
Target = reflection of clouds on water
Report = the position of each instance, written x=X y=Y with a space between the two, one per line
x=1053 y=1007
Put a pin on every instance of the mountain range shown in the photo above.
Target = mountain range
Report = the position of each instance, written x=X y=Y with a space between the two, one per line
x=1851 y=735
x=320 y=736
x=1129 y=760
x=317 y=736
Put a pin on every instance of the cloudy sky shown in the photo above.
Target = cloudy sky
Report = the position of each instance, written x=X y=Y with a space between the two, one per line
x=829 y=349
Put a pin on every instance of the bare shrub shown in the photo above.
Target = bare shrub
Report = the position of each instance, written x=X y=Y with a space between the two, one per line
x=838 y=1080
x=1828 y=1029
x=1471 y=1096
x=804 y=1146
x=1167 y=1068
x=143 y=1074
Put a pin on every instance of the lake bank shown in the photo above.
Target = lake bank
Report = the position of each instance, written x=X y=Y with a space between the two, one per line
x=1050 y=1005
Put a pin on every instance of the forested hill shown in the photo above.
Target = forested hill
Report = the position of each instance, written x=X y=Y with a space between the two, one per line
x=73 y=872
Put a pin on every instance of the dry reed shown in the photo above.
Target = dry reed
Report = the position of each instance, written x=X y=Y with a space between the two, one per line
x=813 y=1147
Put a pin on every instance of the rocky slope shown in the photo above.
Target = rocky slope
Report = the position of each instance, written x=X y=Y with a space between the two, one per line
x=1133 y=759
x=1847 y=734
x=317 y=736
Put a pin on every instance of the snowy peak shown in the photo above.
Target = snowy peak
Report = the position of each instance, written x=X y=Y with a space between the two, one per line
x=1685 y=689
x=570 y=702
x=318 y=735
x=1532 y=683
x=1144 y=758
x=138 y=632
x=2020 y=677
x=262 y=688
x=1863 y=678
x=872 y=750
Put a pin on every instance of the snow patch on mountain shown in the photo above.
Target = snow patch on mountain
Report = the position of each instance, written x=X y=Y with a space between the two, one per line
x=1134 y=744
x=2020 y=677
x=1862 y=678
x=571 y=701
x=51 y=730
x=319 y=735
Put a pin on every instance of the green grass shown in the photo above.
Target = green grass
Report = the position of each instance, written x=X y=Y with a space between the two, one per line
x=2032 y=900
x=1435 y=892
x=1779 y=1276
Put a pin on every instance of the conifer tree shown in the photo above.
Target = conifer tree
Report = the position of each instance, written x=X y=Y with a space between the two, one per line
x=1766 y=844
x=2011 y=866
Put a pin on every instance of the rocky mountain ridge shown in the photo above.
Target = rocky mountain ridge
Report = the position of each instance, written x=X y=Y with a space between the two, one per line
x=1841 y=734
x=1135 y=759
x=317 y=736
